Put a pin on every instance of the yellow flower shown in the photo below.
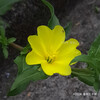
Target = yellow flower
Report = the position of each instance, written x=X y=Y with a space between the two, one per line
x=50 y=49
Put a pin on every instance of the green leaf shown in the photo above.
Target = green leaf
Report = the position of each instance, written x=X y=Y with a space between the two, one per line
x=89 y=80
x=96 y=86
x=68 y=29
x=95 y=48
x=5 y=51
x=2 y=23
x=53 y=21
x=0 y=40
x=3 y=41
x=2 y=31
x=97 y=80
x=93 y=61
x=21 y=63
x=6 y=5
x=11 y=40
x=18 y=89
x=24 y=78
x=26 y=73
x=94 y=52
x=84 y=75
x=26 y=50
x=2 y=36
x=83 y=58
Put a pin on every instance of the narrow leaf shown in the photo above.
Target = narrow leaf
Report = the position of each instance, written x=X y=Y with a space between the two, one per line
x=97 y=80
x=68 y=29
x=11 y=40
x=21 y=64
x=53 y=21
x=18 y=90
x=96 y=86
x=5 y=51
x=95 y=48
x=93 y=61
x=83 y=58
x=24 y=79
x=2 y=31
x=6 y=5
x=84 y=75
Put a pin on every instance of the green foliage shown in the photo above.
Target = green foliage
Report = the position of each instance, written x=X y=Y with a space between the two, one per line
x=1 y=22
x=4 y=41
x=18 y=90
x=11 y=40
x=6 y=5
x=84 y=75
x=5 y=51
x=95 y=48
x=68 y=29
x=20 y=61
x=26 y=50
x=93 y=64
x=53 y=21
x=97 y=9
x=26 y=73
x=30 y=74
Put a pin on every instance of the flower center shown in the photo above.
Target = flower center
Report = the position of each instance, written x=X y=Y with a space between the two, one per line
x=50 y=59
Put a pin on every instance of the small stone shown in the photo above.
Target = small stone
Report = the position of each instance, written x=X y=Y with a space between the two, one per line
x=7 y=75
x=5 y=97
x=29 y=94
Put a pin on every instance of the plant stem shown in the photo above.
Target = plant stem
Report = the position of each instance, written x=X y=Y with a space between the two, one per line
x=16 y=46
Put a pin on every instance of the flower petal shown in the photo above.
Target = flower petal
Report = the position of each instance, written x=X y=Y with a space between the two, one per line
x=68 y=57
x=67 y=52
x=72 y=56
x=68 y=47
x=58 y=37
x=52 y=39
x=37 y=45
x=60 y=68
x=33 y=58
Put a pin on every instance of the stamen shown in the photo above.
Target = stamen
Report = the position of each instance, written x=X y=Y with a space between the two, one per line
x=49 y=60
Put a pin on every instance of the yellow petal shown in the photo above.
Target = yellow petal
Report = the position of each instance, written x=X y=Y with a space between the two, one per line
x=33 y=58
x=68 y=47
x=58 y=37
x=73 y=55
x=55 y=67
x=52 y=39
x=68 y=57
x=37 y=45
x=67 y=52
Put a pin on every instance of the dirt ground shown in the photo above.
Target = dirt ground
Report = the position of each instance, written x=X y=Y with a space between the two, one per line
x=85 y=28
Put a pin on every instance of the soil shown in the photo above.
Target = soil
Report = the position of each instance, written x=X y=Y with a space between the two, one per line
x=23 y=20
